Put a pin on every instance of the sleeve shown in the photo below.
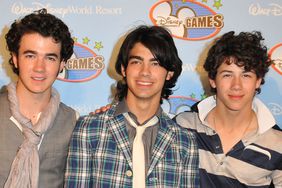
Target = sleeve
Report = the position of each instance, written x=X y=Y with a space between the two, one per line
x=190 y=175
x=277 y=178
x=79 y=164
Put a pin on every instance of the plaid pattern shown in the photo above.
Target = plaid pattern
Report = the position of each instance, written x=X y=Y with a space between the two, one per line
x=100 y=155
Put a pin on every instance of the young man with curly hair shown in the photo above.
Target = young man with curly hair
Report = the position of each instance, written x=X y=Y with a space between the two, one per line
x=108 y=150
x=239 y=141
x=35 y=126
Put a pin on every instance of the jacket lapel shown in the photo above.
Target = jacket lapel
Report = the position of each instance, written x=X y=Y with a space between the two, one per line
x=118 y=130
x=164 y=139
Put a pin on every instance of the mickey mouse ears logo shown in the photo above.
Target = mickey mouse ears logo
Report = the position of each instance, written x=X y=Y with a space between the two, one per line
x=187 y=20
x=276 y=55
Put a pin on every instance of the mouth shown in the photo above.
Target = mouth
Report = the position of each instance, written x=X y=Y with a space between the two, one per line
x=144 y=83
x=38 y=78
x=236 y=97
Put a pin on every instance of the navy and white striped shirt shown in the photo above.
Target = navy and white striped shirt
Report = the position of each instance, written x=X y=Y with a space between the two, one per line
x=255 y=161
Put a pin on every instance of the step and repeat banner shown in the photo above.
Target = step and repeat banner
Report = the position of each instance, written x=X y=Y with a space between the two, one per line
x=98 y=28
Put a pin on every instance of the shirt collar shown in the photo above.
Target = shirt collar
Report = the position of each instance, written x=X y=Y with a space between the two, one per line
x=264 y=116
x=123 y=108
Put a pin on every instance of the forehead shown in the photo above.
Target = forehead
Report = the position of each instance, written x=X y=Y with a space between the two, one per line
x=39 y=43
x=140 y=50
x=233 y=67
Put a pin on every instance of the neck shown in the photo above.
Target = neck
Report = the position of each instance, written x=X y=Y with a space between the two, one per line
x=230 y=120
x=31 y=104
x=143 y=110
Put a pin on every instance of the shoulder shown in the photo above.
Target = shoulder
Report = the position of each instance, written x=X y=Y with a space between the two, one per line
x=66 y=109
x=271 y=139
x=274 y=134
x=186 y=141
x=183 y=135
x=187 y=119
x=95 y=121
x=67 y=113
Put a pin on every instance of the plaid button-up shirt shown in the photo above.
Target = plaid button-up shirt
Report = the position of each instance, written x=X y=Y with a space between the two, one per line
x=100 y=154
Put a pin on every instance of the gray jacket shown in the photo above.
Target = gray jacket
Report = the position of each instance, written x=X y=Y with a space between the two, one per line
x=53 y=149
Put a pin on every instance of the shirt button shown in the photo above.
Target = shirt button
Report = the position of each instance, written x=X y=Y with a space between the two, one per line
x=221 y=163
x=128 y=173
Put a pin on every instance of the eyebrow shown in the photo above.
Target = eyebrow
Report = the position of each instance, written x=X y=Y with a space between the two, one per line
x=141 y=58
x=225 y=71
x=230 y=71
x=34 y=52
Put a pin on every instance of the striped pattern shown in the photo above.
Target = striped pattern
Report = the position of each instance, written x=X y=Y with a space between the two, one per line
x=100 y=154
x=254 y=162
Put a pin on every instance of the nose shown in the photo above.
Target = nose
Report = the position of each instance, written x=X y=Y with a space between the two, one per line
x=39 y=65
x=145 y=70
x=237 y=83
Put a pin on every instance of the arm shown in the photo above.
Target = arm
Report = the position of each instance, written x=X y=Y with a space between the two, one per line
x=79 y=164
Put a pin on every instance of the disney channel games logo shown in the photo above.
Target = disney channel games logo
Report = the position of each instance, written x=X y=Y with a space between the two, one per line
x=188 y=19
x=84 y=65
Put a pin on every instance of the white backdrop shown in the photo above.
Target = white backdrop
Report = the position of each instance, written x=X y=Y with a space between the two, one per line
x=99 y=26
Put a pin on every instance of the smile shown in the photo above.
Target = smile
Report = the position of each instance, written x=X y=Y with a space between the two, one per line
x=144 y=83
x=236 y=96
x=38 y=78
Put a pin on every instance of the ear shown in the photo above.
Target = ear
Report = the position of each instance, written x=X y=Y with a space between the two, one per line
x=169 y=75
x=258 y=83
x=212 y=83
x=123 y=71
x=15 y=60
x=62 y=65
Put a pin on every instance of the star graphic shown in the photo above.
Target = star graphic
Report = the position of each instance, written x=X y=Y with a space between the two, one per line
x=86 y=40
x=193 y=96
x=74 y=39
x=203 y=96
x=217 y=4
x=98 y=45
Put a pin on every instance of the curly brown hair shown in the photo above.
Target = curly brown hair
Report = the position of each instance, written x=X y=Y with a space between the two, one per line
x=245 y=50
x=46 y=25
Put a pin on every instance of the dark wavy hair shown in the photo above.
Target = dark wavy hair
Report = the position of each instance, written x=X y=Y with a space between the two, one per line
x=46 y=25
x=159 y=41
x=245 y=50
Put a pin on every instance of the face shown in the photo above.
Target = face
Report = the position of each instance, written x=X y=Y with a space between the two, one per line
x=145 y=77
x=38 y=62
x=235 y=87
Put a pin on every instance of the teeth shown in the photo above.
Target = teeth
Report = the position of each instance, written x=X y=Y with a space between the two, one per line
x=38 y=79
x=145 y=83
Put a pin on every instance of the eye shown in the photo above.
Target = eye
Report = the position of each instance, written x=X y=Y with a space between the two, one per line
x=226 y=75
x=134 y=61
x=155 y=63
x=29 y=56
x=248 y=75
x=51 y=58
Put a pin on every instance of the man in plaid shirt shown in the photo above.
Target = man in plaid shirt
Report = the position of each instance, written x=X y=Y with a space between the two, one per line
x=101 y=149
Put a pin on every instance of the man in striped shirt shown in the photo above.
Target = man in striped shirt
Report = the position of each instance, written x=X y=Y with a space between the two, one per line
x=240 y=144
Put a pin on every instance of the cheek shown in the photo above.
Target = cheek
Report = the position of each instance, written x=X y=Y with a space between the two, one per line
x=53 y=70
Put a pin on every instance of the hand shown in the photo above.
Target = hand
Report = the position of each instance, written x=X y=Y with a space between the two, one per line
x=101 y=109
